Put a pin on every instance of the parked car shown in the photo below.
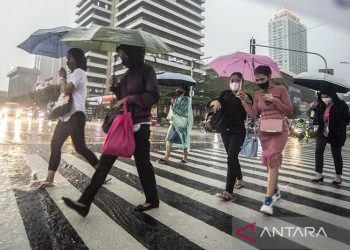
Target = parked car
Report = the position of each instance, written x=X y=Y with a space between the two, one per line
x=11 y=109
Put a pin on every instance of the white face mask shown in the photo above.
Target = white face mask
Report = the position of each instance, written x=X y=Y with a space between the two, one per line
x=327 y=100
x=234 y=86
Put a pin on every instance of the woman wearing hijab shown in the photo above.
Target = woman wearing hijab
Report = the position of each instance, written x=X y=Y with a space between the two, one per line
x=178 y=135
x=140 y=89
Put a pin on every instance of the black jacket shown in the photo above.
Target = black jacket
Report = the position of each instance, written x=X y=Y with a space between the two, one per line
x=232 y=110
x=338 y=120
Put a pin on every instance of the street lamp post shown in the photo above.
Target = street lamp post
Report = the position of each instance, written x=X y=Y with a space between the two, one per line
x=192 y=67
x=253 y=45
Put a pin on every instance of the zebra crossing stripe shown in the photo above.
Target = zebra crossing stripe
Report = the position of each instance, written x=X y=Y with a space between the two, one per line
x=313 y=196
x=328 y=160
x=290 y=165
x=298 y=208
x=209 y=200
x=230 y=208
x=295 y=179
x=12 y=232
x=86 y=228
x=204 y=235
x=327 y=153
x=221 y=162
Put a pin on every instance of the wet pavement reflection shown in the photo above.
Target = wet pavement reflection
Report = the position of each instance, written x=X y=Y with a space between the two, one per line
x=35 y=214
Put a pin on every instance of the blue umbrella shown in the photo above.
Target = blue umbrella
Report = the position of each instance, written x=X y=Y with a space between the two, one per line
x=175 y=79
x=47 y=42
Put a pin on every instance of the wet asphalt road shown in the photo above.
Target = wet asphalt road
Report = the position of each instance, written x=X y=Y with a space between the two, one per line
x=35 y=219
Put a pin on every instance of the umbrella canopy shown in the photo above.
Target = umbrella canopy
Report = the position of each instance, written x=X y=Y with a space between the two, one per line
x=175 y=79
x=47 y=42
x=316 y=81
x=244 y=63
x=103 y=38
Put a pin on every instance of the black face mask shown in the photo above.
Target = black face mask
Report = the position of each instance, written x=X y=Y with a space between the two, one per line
x=126 y=62
x=264 y=85
x=179 y=92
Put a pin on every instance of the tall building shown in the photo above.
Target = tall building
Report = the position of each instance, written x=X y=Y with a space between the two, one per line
x=98 y=12
x=286 y=31
x=22 y=81
x=48 y=68
x=179 y=23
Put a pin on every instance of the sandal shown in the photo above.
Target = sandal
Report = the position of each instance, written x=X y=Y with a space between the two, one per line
x=36 y=184
x=183 y=162
x=226 y=196
x=163 y=161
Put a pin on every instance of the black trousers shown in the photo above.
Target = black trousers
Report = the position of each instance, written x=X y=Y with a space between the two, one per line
x=233 y=141
x=143 y=165
x=74 y=128
x=321 y=142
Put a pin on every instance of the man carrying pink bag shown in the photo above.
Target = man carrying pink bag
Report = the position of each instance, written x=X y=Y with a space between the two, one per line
x=130 y=132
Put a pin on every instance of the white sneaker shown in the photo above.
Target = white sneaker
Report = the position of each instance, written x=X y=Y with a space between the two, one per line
x=276 y=196
x=267 y=208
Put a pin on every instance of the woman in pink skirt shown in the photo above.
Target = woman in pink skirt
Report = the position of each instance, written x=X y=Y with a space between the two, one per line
x=271 y=102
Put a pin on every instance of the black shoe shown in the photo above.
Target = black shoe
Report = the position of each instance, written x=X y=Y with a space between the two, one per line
x=83 y=211
x=318 y=180
x=337 y=182
x=141 y=208
x=107 y=181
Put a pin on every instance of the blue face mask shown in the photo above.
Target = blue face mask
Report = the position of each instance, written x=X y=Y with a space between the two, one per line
x=126 y=62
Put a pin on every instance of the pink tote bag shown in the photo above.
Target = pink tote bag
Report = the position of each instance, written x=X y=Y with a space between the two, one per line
x=120 y=137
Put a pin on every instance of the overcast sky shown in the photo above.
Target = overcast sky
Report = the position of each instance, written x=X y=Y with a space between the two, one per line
x=229 y=26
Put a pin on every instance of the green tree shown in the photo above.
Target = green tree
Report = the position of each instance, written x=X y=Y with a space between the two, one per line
x=41 y=97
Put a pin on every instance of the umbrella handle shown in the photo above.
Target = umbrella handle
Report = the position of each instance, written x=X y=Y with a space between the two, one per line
x=115 y=62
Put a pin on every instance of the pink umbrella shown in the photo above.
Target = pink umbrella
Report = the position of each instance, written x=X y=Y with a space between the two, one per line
x=244 y=63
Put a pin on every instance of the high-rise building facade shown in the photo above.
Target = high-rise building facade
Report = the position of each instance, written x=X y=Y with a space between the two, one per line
x=22 y=81
x=178 y=23
x=286 y=31
x=98 y=12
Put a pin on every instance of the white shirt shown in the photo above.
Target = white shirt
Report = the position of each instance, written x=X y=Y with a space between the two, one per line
x=79 y=79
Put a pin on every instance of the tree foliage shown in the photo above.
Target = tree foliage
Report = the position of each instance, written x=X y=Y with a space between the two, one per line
x=40 y=97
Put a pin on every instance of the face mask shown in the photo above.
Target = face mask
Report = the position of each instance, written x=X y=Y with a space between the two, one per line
x=126 y=62
x=234 y=86
x=327 y=100
x=179 y=92
x=264 y=85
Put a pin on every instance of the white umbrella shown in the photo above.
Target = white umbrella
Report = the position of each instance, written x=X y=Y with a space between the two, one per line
x=316 y=81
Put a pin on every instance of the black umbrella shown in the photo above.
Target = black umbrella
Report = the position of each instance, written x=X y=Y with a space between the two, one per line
x=317 y=81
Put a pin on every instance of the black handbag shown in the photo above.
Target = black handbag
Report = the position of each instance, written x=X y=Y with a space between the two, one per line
x=62 y=106
x=215 y=122
x=112 y=113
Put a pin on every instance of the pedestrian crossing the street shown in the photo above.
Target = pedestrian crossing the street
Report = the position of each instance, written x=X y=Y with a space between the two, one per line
x=190 y=216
